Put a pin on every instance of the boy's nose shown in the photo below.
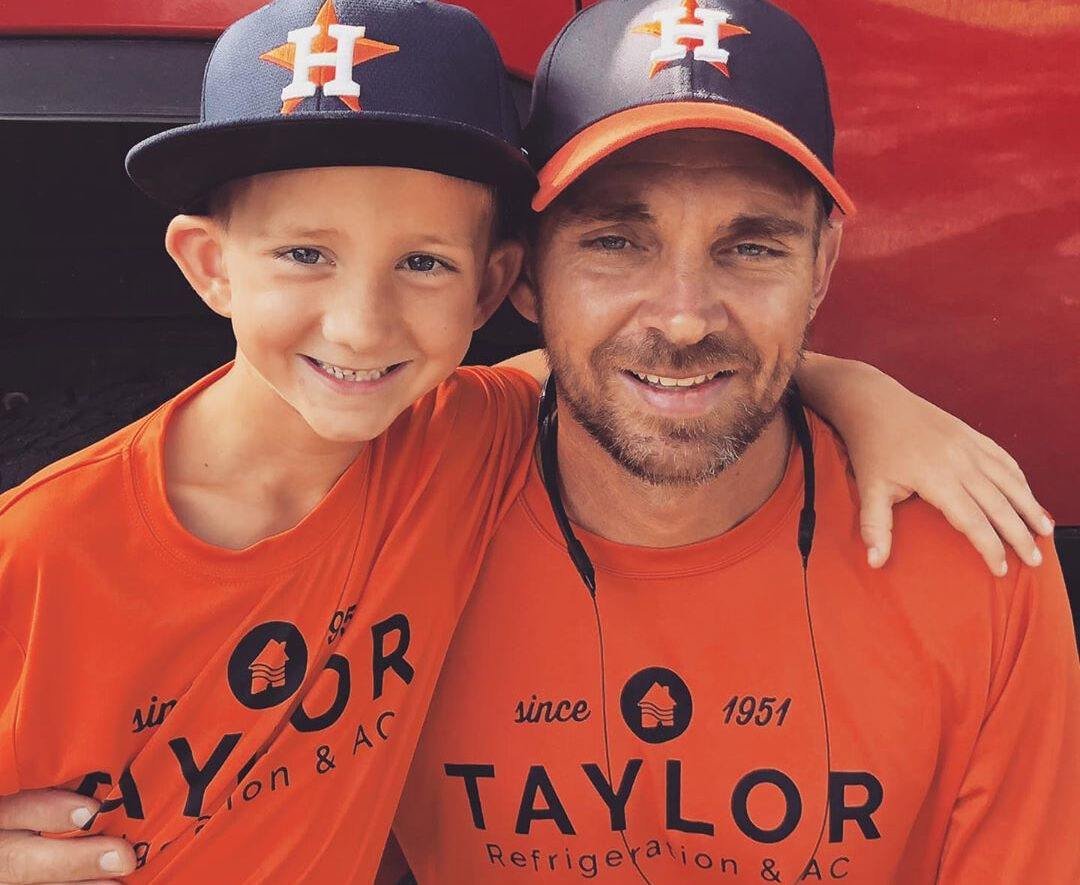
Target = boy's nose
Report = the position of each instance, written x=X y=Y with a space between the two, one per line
x=360 y=320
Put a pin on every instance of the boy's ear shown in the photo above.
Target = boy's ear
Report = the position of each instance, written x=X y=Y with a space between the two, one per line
x=827 y=255
x=195 y=243
x=503 y=267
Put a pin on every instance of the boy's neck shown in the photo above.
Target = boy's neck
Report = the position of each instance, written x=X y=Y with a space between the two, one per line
x=242 y=465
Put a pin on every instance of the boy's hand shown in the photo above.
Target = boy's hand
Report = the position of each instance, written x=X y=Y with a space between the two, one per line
x=901 y=445
x=26 y=857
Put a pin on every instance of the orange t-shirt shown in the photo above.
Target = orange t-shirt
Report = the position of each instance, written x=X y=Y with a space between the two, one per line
x=251 y=713
x=953 y=702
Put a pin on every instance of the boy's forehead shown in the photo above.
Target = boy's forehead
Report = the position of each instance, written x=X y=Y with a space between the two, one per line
x=331 y=195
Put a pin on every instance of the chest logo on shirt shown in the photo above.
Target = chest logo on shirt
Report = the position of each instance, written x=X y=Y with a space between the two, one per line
x=268 y=665
x=656 y=705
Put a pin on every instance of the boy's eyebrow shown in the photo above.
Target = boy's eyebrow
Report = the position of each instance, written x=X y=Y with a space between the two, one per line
x=763 y=226
x=300 y=233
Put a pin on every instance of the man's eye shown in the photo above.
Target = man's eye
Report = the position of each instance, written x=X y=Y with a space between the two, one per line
x=304 y=256
x=753 y=250
x=612 y=243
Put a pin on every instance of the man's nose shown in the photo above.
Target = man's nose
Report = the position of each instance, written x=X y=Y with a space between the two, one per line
x=684 y=304
x=360 y=317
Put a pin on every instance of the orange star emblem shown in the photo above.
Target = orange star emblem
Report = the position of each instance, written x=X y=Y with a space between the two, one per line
x=319 y=73
x=689 y=29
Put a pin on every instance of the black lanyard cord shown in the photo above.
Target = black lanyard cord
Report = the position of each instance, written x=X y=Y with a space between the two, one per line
x=547 y=436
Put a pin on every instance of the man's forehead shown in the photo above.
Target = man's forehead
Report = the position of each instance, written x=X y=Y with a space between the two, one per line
x=698 y=156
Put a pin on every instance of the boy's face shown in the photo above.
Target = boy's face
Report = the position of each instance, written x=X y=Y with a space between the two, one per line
x=352 y=290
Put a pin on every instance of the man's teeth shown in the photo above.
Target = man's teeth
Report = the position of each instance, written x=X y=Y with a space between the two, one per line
x=351 y=374
x=664 y=381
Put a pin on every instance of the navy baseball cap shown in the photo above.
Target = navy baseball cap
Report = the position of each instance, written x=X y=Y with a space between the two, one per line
x=306 y=83
x=623 y=70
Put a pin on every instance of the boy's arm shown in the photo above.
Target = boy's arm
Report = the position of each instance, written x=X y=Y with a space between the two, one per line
x=901 y=445
x=1015 y=815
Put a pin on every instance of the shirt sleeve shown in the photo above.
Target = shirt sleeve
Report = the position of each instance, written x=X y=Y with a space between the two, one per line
x=1020 y=796
x=12 y=660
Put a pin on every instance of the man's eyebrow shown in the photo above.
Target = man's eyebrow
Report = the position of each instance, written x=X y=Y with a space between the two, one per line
x=773 y=226
x=628 y=211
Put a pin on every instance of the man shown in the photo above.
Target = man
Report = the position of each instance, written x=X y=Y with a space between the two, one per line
x=709 y=685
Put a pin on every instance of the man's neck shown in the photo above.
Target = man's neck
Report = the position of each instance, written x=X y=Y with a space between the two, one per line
x=606 y=499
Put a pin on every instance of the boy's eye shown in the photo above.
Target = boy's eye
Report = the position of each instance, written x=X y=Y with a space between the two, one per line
x=304 y=255
x=422 y=263
x=426 y=264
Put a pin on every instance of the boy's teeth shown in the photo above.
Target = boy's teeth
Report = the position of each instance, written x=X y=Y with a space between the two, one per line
x=351 y=374
x=664 y=381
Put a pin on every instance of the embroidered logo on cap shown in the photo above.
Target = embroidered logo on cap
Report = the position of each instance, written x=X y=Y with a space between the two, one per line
x=323 y=55
x=689 y=28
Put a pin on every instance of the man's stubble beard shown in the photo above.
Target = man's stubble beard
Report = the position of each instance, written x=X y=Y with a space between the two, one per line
x=703 y=447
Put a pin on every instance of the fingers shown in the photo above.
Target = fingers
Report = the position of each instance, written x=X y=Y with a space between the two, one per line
x=876 y=520
x=1000 y=468
x=28 y=858
x=966 y=516
x=1005 y=520
x=46 y=811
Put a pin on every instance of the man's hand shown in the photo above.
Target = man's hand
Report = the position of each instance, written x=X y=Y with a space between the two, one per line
x=901 y=445
x=26 y=857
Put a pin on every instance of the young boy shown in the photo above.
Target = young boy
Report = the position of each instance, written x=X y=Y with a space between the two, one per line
x=238 y=606
x=226 y=619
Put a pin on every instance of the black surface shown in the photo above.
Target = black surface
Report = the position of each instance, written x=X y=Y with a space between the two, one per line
x=101 y=78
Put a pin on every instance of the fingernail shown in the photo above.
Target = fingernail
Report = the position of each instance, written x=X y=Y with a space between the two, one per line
x=1036 y=557
x=1002 y=570
x=80 y=817
x=873 y=556
x=110 y=862
x=1046 y=526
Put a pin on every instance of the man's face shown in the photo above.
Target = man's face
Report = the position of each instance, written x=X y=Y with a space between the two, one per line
x=674 y=284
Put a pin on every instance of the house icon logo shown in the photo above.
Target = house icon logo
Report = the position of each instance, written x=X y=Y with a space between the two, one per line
x=656 y=705
x=268 y=668
x=268 y=665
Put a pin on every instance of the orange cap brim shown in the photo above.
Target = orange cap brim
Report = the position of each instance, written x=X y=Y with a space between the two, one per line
x=613 y=133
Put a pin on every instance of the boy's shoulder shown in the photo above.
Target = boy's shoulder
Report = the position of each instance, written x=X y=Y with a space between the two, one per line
x=76 y=488
x=474 y=401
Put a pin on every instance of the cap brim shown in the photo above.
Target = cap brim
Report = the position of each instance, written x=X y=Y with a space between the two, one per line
x=613 y=133
x=181 y=167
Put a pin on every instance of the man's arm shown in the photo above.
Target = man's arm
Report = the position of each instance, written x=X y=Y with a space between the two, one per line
x=27 y=857
x=1016 y=814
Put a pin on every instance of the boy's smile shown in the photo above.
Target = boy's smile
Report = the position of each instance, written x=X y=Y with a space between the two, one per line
x=352 y=291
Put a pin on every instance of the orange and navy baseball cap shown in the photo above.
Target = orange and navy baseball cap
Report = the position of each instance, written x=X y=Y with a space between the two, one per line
x=623 y=70
x=304 y=83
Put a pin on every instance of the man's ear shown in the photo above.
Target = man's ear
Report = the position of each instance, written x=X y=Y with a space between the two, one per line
x=523 y=293
x=195 y=243
x=503 y=267
x=827 y=255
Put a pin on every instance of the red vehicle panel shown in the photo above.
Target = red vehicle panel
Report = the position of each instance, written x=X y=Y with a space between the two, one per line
x=958 y=135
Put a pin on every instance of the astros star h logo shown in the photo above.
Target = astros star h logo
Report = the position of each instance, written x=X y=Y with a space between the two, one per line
x=322 y=56
x=690 y=28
